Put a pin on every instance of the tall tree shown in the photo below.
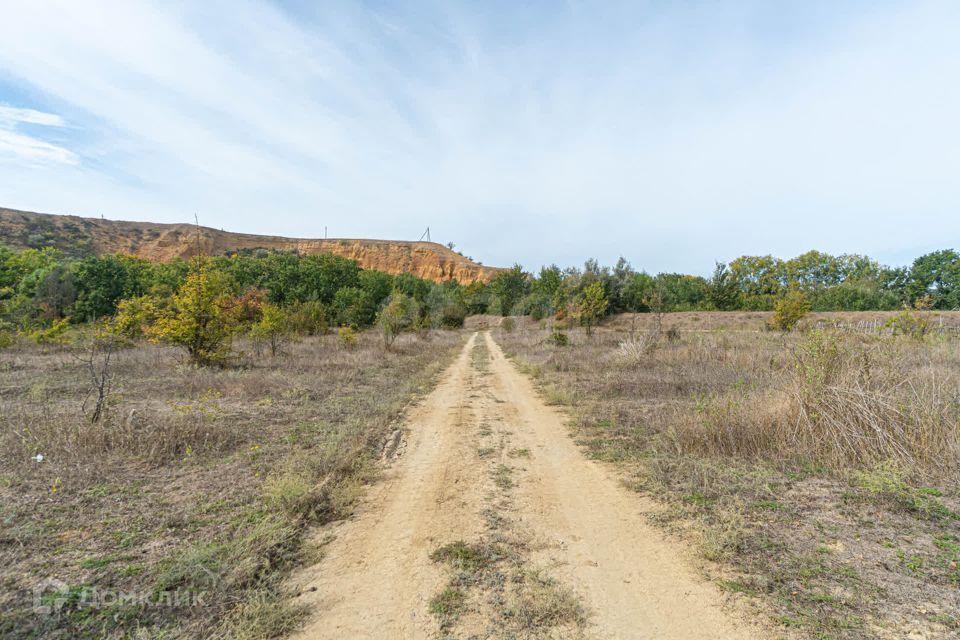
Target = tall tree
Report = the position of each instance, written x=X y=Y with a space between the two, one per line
x=936 y=274
x=591 y=305
x=723 y=291
x=508 y=286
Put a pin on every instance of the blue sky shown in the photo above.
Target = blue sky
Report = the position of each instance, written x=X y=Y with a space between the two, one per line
x=672 y=133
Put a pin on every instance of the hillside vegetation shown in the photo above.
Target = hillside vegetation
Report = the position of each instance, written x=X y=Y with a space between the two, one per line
x=78 y=237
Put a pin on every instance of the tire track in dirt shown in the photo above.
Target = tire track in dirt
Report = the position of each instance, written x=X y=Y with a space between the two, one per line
x=634 y=583
x=487 y=461
x=376 y=578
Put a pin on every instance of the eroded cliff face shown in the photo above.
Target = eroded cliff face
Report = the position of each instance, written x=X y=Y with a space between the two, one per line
x=79 y=236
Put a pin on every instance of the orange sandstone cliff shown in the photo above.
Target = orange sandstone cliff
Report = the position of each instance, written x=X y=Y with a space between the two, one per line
x=82 y=236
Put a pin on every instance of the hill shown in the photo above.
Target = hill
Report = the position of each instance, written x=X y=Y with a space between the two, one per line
x=82 y=236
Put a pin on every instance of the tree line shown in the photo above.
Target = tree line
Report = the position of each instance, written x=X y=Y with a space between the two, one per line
x=44 y=288
x=267 y=293
x=748 y=283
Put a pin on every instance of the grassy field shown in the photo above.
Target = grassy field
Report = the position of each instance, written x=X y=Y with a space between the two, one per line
x=180 y=512
x=815 y=471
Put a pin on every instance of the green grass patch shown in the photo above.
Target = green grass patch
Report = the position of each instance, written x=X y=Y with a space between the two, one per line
x=503 y=477
x=886 y=482
x=448 y=605
x=468 y=558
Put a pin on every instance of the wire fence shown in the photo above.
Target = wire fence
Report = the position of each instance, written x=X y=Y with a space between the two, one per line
x=879 y=326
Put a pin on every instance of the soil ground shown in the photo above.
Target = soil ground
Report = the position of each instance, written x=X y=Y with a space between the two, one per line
x=543 y=541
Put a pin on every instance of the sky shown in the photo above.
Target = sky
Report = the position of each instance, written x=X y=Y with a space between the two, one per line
x=674 y=134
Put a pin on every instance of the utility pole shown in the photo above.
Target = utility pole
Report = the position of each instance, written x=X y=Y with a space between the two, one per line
x=196 y=222
x=426 y=234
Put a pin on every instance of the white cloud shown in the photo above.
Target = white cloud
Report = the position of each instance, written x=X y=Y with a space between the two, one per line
x=10 y=116
x=33 y=151
x=674 y=134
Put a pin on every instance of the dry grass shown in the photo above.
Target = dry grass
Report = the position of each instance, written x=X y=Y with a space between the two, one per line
x=635 y=349
x=817 y=470
x=195 y=480
x=842 y=401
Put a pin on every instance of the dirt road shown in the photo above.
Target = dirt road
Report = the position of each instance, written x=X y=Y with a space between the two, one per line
x=545 y=543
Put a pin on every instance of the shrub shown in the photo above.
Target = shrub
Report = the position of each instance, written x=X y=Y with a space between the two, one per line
x=400 y=313
x=55 y=334
x=841 y=405
x=247 y=308
x=591 y=306
x=508 y=324
x=537 y=305
x=271 y=328
x=8 y=335
x=354 y=307
x=451 y=316
x=909 y=323
x=199 y=319
x=135 y=315
x=558 y=338
x=348 y=336
x=307 y=318
x=789 y=310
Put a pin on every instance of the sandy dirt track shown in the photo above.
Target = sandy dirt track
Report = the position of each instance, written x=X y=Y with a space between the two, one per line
x=376 y=579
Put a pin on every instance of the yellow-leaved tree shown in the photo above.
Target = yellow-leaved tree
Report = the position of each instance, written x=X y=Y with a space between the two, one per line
x=789 y=311
x=399 y=313
x=591 y=305
x=200 y=317
x=272 y=328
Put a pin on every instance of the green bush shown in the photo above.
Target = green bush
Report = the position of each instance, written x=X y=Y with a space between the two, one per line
x=591 y=305
x=451 y=316
x=271 y=329
x=8 y=334
x=909 y=323
x=354 y=307
x=307 y=318
x=789 y=310
x=399 y=314
x=348 y=336
x=55 y=334
x=135 y=315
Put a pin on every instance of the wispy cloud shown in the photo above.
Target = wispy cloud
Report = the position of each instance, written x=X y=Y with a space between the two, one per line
x=670 y=133
x=11 y=116
x=32 y=150
x=24 y=148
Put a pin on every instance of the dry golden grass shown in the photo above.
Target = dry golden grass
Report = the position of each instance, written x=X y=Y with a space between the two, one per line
x=817 y=470
x=841 y=401
x=195 y=479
